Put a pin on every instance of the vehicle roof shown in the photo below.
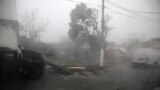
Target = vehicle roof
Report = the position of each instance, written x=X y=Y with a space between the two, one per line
x=146 y=52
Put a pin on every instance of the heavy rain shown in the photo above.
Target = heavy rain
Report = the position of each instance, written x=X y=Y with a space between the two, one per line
x=79 y=45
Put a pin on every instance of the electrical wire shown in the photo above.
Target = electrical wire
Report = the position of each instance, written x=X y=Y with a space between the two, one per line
x=141 y=18
x=144 y=12
x=133 y=17
x=148 y=19
x=132 y=12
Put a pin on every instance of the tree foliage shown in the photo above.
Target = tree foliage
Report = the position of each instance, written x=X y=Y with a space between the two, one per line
x=84 y=25
x=84 y=31
x=31 y=26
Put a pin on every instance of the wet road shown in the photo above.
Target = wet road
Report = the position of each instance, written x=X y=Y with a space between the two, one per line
x=119 y=76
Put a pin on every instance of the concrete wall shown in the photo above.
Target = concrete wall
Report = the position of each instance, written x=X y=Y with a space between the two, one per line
x=8 y=24
x=8 y=9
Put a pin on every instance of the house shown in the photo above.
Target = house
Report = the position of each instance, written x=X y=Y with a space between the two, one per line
x=149 y=53
x=152 y=43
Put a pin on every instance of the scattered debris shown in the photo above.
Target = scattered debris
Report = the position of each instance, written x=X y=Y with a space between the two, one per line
x=70 y=70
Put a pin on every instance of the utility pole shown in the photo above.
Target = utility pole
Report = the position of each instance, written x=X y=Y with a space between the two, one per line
x=102 y=37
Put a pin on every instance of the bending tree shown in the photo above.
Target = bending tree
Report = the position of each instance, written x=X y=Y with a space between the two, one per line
x=84 y=32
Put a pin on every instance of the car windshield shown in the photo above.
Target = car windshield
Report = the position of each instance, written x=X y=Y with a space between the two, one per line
x=79 y=44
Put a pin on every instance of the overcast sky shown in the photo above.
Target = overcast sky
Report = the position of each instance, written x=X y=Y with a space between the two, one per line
x=57 y=12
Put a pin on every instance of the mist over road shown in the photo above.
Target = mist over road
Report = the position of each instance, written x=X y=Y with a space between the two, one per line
x=119 y=76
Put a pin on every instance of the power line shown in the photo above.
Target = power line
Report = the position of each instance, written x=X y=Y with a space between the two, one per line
x=123 y=14
x=144 y=18
x=137 y=14
x=144 y=12
x=99 y=6
x=133 y=17
x=128 y=21
x=130 y=11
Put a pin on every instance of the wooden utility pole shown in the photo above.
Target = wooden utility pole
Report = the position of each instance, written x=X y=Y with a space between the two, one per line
x=102 y=37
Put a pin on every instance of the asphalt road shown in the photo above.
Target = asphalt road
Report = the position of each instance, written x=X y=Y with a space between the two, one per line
x=117 y=77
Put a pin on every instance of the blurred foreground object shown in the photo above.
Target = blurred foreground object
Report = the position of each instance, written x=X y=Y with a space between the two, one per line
x=15 y=61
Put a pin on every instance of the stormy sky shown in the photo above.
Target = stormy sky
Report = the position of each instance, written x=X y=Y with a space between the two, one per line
x=125 y=25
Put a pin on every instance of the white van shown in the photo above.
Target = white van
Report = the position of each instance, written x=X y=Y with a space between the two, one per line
x=145 y=57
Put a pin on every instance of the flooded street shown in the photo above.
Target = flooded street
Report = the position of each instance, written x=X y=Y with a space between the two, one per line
x=118 y=77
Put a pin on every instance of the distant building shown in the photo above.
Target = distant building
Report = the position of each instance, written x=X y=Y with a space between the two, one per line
x=149 y=53
x=115 y=54
x=153 y=43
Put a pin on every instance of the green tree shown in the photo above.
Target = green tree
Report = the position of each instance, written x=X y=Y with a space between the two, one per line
x=84 y=31
x=84 y=24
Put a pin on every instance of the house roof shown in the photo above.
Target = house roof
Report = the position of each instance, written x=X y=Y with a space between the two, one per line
x=153 y=43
